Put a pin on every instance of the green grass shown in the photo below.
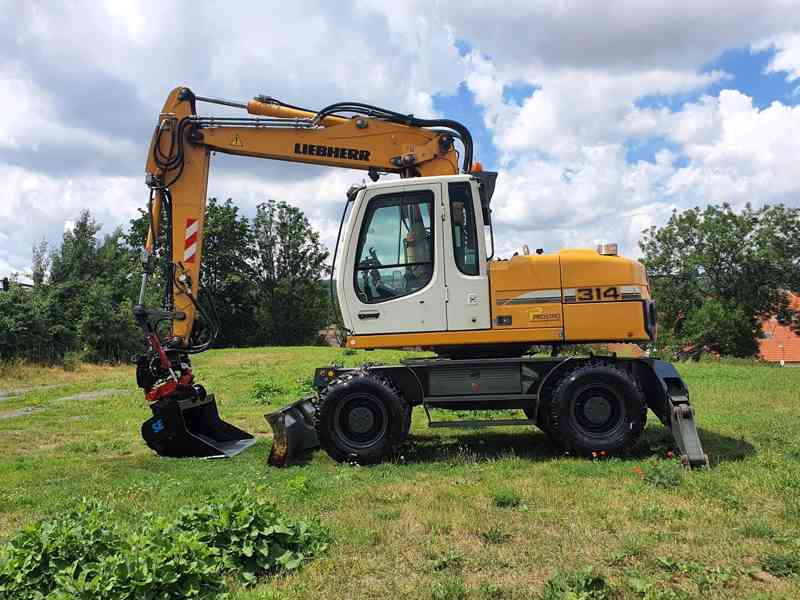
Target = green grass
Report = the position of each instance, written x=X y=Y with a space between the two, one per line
x=460 y=514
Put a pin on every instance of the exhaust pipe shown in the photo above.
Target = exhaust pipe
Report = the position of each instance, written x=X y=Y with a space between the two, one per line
x=293 y=432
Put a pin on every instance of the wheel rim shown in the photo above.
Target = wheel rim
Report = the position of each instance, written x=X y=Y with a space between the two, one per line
x=360 y=421
x=598 y=410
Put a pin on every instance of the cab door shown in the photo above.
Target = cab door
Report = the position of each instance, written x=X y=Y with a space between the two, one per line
x=395 y=262
x=466 y=274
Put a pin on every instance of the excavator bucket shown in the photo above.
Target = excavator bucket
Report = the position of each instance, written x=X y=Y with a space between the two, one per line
x=188 y=427
x=293 y=432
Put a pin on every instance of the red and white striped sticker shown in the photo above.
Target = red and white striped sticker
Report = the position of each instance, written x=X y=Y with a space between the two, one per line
x=190 y=241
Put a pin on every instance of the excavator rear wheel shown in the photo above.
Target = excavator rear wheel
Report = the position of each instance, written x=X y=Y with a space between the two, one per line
x=597 y=410
x=361 y=418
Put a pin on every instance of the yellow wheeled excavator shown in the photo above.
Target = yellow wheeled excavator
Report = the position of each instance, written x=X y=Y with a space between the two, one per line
x=413 y=267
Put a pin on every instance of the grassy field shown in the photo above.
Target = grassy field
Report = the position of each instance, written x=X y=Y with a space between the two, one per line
x=493 y=514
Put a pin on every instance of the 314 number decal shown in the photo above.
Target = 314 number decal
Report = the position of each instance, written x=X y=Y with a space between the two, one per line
x=597 y=294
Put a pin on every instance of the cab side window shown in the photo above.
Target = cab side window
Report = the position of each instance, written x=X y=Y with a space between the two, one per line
x=465 y=234
x=395 y=246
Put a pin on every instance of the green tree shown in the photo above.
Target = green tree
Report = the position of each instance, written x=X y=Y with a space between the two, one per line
x=717 y=272
x=106 y=329
x=40 y=264
x=90 y=289
x=226 y=275
x=720 y=326
x=73 y=267
x=263 y=276
x=289 y=264
x=27 y=330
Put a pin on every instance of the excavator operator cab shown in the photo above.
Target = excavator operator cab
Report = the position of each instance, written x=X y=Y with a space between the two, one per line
x=408 y=245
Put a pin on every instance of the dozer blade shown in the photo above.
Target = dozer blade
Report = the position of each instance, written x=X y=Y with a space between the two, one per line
x=188 y=427
x=293 y=432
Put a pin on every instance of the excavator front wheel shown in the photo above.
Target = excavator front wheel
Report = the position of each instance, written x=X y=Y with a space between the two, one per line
x=361 y=418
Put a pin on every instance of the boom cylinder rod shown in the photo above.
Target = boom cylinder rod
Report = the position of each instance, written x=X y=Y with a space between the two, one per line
x=261 y=106
x=221 y=101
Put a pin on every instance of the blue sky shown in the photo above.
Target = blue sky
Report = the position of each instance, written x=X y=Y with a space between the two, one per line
x=602 y=118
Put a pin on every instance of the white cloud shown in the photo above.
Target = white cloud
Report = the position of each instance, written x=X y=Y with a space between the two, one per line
x=576 y=108
x=38 y=206
x=595 y=197
x=750 y=157
x=617 y=35
x=787 y=54
x=734 y=153
x=80 y=89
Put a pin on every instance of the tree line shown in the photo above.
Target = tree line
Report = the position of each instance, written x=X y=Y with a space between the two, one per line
x=715 y=273
x=266 y=277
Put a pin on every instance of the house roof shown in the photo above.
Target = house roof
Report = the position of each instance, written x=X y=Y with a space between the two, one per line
x=780 y=342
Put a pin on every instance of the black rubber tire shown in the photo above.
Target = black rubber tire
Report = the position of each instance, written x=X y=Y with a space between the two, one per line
x=361 y=418
x=597 y=408
x=542 y=416
x=543 y=420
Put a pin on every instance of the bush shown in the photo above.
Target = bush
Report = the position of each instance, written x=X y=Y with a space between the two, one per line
x=253 y=538
x=661 y=473
x=583 y=585
x=722 y=328
x=37 y=555
x=781 y=565
x=506 y=499
x=164 y=565
x=81 y=556
x=72 y=361
x=266 y=389
x=492 y=591
x=451 y=588
x=495 y=535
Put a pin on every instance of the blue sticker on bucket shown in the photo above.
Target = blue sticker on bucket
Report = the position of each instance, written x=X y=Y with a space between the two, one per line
x=158 y=425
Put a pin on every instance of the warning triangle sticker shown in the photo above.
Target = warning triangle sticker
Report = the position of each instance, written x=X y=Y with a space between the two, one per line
x=237 y=141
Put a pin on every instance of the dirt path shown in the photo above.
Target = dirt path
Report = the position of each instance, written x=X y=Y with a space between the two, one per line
x=21 y=412
x=17 y=392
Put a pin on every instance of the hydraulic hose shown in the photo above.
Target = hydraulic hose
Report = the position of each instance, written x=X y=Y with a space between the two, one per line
x=394 y=117
x=369 y=110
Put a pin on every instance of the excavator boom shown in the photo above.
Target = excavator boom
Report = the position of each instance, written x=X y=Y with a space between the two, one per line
x=178 y=164
x=346 y=135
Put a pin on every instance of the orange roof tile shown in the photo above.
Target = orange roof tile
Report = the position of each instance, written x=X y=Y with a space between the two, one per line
x=782 y=343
